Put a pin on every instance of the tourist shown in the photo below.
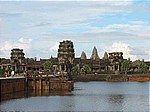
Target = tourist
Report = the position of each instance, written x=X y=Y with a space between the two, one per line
x=54 y=75
x=12 y=73
x=8 y=74
x=5 y=74
x=24 y=73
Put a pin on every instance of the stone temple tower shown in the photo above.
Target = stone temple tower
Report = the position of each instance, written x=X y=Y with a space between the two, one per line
x=17 y=60
x=83 y=55
x=94 y=55
x=65 y=55
x=115 y=60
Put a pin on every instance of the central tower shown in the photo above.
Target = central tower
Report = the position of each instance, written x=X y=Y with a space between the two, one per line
x=65 y=55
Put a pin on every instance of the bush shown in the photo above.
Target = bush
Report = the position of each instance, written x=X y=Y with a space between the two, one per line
x=2 y=72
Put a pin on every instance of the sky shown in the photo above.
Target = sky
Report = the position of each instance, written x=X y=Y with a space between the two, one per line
x=37 y=27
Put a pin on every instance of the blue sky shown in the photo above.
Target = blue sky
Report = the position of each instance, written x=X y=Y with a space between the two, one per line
x=110 y=25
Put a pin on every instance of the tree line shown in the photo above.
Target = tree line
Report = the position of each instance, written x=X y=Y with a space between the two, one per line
x=85 y=69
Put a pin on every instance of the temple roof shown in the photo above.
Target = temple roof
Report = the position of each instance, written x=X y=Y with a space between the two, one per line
x=5 y=61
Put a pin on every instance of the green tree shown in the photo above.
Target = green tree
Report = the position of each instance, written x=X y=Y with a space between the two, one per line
x=76 y=69
x=48 y=65
x=2 y=72
x=85 y=69
x=125 y=66
x=142 y=67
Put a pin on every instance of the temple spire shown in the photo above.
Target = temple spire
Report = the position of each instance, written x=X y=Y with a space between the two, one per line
x=105 y=56
x=83 y=55
x=94 y=55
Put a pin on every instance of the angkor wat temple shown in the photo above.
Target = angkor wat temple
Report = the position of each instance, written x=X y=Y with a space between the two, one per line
x=65 y=60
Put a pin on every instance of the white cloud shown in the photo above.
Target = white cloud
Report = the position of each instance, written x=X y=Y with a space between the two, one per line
x=6 y=46
x=54 y=48
x=125 y=48
x=134 y=28
x=24 y=43
x=25 y=40
x=56 y=13
x=120 y=47
x=58 y=20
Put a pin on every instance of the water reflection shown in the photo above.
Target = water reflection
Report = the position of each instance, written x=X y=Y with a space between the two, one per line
x=15 y=95
x=87 y=96
x=48 y=93
x=117 y=99
x=33 y=93
x=116 y=102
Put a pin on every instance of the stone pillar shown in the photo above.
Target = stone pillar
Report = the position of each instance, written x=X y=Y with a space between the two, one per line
x=106 y=68
x=60 y=68
x=65 y=68
x=40 y=84
x=34 y=84
x=118 y=68
x=114 y=68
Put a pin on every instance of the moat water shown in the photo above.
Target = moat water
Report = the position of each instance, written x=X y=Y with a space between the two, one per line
x=87 y=96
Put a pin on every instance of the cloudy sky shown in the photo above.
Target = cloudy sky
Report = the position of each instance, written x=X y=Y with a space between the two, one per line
x=110 y=25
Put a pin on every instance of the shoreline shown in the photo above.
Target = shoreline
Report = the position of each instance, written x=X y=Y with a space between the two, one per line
x=111 y=78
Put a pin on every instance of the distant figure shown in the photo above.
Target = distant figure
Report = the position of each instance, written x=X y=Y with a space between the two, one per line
x=12 y=73
x=8 y=74
x=58 y=73
x=5 y=74
x=54 y=75
x=24 y=73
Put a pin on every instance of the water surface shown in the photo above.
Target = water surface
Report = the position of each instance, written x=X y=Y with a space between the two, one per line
x=87 y=96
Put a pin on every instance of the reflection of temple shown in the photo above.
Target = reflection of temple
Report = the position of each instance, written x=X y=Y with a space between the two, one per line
x=65 y=60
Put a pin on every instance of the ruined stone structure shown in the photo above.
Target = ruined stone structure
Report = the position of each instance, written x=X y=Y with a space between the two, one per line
x=65 y=55
x=17 y=60
x=105 y=56
x=94 y=55
x=65 y=60
x=17 y=54
x=83 y=55
x=115 y=59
